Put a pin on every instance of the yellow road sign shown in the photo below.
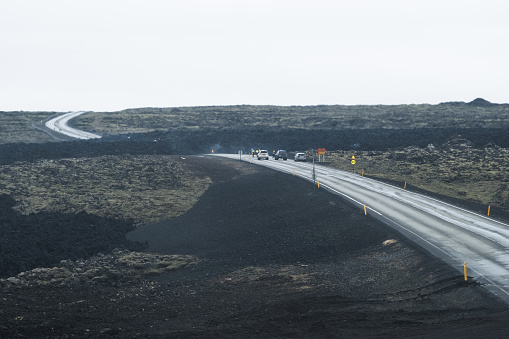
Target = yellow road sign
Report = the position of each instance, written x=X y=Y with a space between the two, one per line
x=352 y=162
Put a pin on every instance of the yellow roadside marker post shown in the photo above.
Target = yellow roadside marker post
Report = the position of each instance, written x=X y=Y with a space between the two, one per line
x=404 y=187
x=318 y=184
x=313 y=174
x=365 y=211
x=465 y=270
x=489 y=207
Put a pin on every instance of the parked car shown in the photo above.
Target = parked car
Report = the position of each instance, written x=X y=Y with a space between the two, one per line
x=263 y=154
x=299 y=157
x=281 y=154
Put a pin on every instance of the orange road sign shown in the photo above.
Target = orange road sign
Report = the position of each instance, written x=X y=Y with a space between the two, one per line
x=321 y=151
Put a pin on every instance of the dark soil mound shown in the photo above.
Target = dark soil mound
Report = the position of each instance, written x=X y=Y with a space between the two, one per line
x=480 y=102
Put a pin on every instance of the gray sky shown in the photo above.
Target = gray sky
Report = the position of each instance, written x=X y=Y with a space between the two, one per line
x=66 y=55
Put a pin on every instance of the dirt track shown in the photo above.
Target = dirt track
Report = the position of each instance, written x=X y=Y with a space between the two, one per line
x=279 y=258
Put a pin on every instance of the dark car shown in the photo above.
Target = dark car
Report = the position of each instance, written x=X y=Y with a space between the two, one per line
x=281 y=154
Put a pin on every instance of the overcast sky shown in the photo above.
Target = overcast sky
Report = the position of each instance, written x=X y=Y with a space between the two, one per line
x=106 y=55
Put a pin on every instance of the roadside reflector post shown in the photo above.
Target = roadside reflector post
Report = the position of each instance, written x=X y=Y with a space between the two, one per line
x=404 y=187
x=362 y=172
x=465 y=270
x=318 y=184
x=313 y=174
x=365 y=211
x=489 y=207
x=293 y=172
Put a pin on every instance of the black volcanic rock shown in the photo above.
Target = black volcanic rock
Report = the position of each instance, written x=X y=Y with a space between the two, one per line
x=45 y=238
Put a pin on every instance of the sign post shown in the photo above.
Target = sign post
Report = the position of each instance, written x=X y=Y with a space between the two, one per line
x=353 y=162
x=321 y=152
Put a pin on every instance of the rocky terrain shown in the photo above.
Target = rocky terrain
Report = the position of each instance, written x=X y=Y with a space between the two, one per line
x=455 y=169
x=141 y=188
x=24 y=127
x=477 y=114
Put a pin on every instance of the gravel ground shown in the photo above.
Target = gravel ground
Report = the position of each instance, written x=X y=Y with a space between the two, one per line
x=278 y=258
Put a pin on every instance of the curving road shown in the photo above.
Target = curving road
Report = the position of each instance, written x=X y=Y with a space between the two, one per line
x=59 y=124
x=453 y=234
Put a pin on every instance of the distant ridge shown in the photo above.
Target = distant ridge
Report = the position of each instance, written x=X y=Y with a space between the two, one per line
x=480 y=102
x=456 y=103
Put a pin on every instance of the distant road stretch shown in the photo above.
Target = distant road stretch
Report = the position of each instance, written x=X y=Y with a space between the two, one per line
x=451 y=233
x=59 y=124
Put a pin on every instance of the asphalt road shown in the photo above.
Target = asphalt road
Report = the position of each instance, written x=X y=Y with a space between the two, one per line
x=455 y=235
x=59 y=124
